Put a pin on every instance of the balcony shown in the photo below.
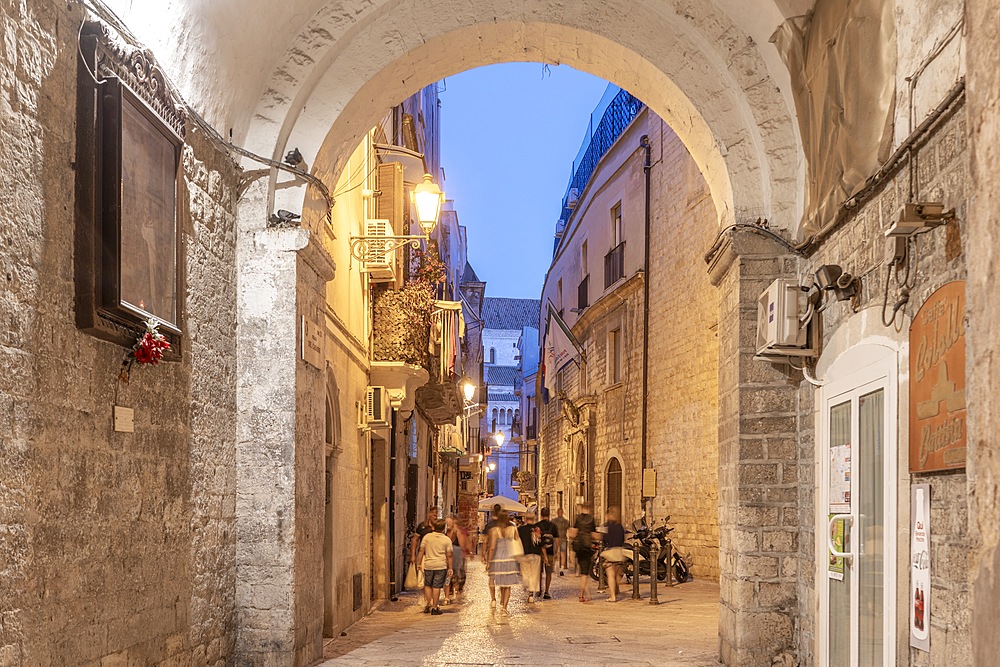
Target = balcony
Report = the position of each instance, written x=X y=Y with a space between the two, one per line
x=583 y=293
x=614 y=265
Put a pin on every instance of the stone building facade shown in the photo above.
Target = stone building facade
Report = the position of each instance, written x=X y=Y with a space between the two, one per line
x=151 y=546
x=592 y=436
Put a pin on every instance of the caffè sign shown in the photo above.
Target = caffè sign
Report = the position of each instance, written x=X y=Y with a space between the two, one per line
x=937 y=382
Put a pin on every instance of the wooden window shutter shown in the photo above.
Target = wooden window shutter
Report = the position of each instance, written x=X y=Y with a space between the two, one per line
x=391 y=201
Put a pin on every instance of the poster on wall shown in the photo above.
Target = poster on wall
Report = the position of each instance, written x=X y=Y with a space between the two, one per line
x=840 y=479
x=920 y=566
x=937 y=382
x=835 y=569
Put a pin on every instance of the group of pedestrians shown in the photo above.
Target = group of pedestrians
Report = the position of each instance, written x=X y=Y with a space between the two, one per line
x=515 y=555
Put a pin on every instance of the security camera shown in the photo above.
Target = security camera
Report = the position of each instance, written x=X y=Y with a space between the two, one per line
x=828 y=275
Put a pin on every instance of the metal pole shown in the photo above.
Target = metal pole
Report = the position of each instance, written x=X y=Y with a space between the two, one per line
x=602 y=577
x=635 y=571
x=670 y=558
x=654 y=557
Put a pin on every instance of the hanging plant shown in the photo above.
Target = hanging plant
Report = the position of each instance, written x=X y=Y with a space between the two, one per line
x=147 y=351
x=402 y=317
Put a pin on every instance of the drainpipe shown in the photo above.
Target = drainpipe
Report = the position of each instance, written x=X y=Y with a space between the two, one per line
x=393 y=448
x=646 y=167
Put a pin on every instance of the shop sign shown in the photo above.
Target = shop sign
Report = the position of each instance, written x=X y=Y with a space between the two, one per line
x=312 y=343
x=937 y=382
x=920 y=566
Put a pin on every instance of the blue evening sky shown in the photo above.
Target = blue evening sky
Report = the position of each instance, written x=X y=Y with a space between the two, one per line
x=508 y=139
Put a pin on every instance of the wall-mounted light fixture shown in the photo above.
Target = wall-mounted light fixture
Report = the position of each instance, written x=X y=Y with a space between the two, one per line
x=378 y=244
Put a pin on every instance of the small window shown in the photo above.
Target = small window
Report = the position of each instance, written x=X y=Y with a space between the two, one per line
x=493 y=355
x=615 y=356
x=617 y=234
x=584 y=270
x=559 y=296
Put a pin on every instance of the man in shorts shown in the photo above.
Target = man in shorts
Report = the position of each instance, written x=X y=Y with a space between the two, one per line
x=562 y=524
x=550 y=545
x=435 y=560
x=584 y=533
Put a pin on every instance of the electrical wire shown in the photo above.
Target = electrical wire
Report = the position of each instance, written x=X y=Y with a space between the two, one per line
x=717 y=243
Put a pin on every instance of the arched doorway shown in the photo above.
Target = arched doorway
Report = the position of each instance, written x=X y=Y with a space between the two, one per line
x=613 y=485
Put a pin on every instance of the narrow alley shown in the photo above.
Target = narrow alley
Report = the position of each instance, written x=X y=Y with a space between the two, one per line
x=681 y=630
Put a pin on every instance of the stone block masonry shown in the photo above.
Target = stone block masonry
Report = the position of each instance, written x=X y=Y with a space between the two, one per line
x=114 y=547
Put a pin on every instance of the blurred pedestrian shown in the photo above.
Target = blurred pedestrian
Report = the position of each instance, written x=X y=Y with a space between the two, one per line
x=486 y=531
x=584 y=534
x=531 y=561
x=459 y=542
x=550 y=548
x=435 y=560
x=562 y=523
x=613 y=537
x=500 y=557
x=423 y=528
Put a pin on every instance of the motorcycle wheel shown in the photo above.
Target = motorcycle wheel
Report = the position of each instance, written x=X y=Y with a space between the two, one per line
x=595 y=570
x=681 y=571
x=662 y=571
x=627 y=571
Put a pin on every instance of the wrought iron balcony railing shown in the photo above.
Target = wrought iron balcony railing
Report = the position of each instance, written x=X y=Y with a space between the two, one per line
x=614 y=265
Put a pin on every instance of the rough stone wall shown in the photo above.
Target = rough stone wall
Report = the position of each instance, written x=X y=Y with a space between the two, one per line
x=114 y=547
x=683 y=353
x=858 y=247
x=983 y=361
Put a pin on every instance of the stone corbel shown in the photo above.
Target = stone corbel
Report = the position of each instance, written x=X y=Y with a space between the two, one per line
x=739 y=242
x=401 y=381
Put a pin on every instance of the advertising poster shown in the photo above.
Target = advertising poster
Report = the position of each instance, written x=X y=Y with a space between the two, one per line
x=920 y=566
x=835 y=569
x=840 y=479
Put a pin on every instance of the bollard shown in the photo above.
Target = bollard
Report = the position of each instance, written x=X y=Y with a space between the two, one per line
x=635 y=571
x=670 y=568
x=602 y=577
x=654 y=557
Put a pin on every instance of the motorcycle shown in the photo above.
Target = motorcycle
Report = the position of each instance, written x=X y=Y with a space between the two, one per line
x=642 y=540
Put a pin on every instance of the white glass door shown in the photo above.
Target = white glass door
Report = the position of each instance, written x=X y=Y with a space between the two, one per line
x=857 y=495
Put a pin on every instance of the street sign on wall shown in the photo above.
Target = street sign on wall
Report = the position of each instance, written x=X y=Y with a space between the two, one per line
x=937 y=382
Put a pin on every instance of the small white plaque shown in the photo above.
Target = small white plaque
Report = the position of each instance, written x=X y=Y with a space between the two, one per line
x=312 y=343
x=649 y=483
x=124 y=419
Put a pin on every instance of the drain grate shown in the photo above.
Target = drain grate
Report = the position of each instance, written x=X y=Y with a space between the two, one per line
x=593 y=640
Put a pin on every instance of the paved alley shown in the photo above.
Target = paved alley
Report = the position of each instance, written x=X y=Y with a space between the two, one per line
x=682 y=630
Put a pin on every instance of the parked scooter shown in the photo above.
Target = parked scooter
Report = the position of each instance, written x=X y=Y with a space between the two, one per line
x=644 y=539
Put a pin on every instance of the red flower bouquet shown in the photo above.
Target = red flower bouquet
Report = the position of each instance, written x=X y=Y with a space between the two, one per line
x=148 y=349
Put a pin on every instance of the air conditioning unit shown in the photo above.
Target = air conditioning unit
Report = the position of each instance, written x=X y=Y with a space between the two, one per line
x=378 y=412
x=379 y=261
x=573 y=198
x=780 y=330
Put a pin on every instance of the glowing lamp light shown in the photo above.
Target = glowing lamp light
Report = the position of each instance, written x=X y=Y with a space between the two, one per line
x=468 y=389
x=428 y=197
x=499 y=437
x=492 y=466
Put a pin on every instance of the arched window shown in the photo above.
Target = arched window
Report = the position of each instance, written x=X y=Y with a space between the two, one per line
x=510 y=415
x=493 y=355
x=613 y=486
x=494 y=418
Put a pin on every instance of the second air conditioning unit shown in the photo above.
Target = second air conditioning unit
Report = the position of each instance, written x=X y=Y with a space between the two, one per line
x=782 y=329
x=378 y=411
x=380 y=260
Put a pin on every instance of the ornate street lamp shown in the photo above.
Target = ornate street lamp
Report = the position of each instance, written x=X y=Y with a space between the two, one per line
x=468 y=389
x=499 y=437
x=377 y=246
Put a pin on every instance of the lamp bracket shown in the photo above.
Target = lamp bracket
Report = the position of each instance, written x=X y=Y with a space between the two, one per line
x=363 y=246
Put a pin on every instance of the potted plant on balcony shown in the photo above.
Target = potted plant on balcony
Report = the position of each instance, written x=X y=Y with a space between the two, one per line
x=402 y=318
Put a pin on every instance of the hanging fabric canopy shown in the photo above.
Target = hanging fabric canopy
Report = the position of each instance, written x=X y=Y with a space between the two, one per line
x=504 y=502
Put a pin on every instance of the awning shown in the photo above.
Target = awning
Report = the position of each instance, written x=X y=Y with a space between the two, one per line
x=412 y=161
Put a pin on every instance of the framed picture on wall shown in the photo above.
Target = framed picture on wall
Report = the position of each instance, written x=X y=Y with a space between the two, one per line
x=128 y=208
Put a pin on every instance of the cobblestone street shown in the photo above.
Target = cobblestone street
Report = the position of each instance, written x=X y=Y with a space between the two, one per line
x=682 y=630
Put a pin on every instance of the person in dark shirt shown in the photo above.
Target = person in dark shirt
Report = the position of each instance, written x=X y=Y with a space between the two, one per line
x=613 y=537
x=584 y=534
x=531 y=561
x=550 y=548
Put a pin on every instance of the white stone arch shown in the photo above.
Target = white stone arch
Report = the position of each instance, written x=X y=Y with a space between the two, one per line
x=689 y=62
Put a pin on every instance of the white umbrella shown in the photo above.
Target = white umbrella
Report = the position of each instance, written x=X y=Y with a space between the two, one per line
x=504 y=502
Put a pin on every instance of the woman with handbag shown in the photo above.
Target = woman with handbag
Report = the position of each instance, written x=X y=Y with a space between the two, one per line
x=502 y=549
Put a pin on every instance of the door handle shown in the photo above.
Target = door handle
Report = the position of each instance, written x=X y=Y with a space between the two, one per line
x=846 y=555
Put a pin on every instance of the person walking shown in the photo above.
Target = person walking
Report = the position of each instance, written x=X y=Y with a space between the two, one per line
x=550 y=548
x=500 y=558
x=531 y=561
x=423 y=528
x=435 y=560
x=613 y=537
x=490 y=525
x=584 y=534
x=562 y=523
x=459 y=542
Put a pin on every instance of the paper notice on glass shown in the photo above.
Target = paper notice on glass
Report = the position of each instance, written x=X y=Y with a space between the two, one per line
x=920 y=566
x=835 y=569
x=840 y=479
